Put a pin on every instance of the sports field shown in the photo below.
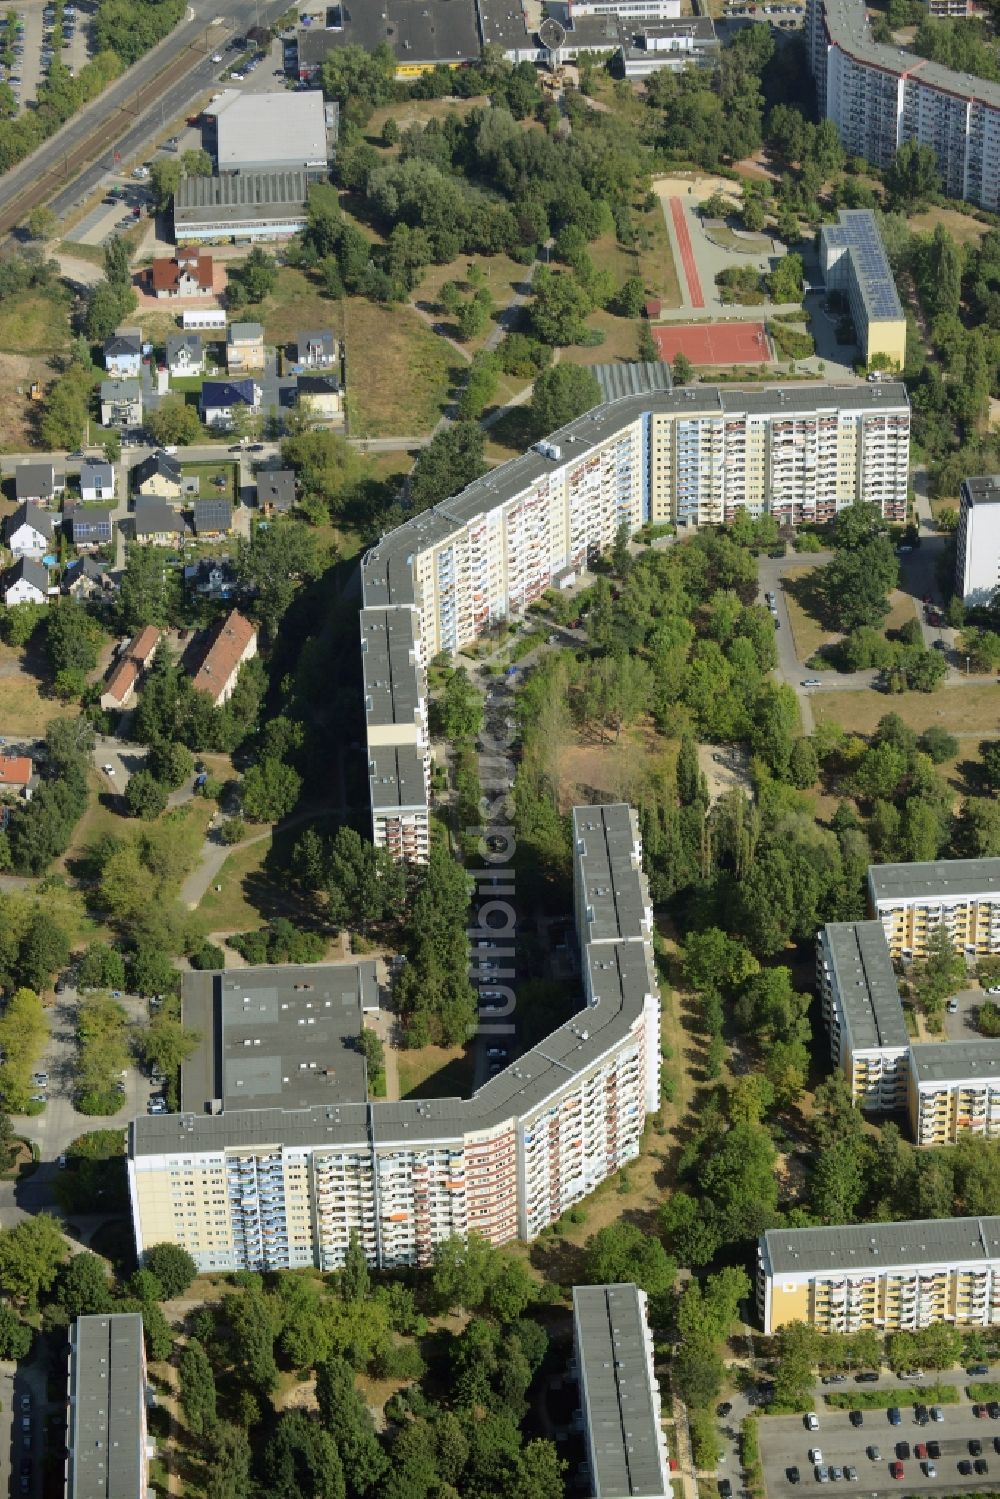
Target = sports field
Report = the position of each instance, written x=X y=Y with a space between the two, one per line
x=713 y=343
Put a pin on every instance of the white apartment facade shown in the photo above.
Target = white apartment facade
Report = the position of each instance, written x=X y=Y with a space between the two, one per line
x=953 y=1091
x=255 y=1173
x=880 y=96
x=977 y=556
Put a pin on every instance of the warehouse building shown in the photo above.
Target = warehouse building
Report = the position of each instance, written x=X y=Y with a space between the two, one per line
x=423 y=34
x=273 y=133
x=241 y=208
x=886 y=1276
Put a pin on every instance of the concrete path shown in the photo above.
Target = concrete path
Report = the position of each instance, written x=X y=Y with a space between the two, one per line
x=214 y=853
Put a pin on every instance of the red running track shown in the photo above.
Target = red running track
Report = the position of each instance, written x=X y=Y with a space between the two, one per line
x=687 y=252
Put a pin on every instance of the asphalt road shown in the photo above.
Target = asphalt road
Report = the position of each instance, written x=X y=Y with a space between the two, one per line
x=785 y=1443
x=128 y=113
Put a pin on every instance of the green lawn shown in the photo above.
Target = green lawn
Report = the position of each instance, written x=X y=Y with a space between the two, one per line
x=35 y=323
x=399 y=373
x=205 y=473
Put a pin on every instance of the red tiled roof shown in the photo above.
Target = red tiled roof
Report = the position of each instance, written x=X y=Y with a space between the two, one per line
x=166 y=273
x=144 y=644
x=15 y=770
x=226 y=650
x=122 y=679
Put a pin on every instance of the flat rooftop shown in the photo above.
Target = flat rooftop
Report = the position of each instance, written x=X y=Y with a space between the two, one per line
x=608 y=877
x=258 y=129
x=386 y=568
x=878 y=1246
x=396 y=778
x=418 y=31
x=848 y=29
x=388 y=660
x=865 y=979
x=276 y=1037
x=107 y=1407
x=955 y=1061
x=984 y=489
x=937 y=881
x=617 y=1392
x=857 y=233
x=238 y=198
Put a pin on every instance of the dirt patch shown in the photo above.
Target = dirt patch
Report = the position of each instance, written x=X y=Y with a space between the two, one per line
x=725 y=769
x=961 y=226
x=639 y=761
x=17 y=410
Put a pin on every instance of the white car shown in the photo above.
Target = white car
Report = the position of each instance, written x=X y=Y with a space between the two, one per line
x=812 y=1422
x=216 y=56
x=109 y=770
x=815 y=1456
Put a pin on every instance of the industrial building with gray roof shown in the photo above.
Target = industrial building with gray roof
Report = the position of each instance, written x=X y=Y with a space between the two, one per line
x=243 y=206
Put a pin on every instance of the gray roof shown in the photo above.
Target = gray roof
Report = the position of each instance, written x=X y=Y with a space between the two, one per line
x=614 y=898
x=617 y=979
x=391 y=677
x=107 y=1408
x=28 y=514
x=153 y=514
x=120 y=390
x=857 y=233
x=848 y=29
x=83 y=518
x=396 y=778
x=276 y=486
x=618 y=1394
x=246 y=197
x=34 y=479
x=934 y=882
x=984 y=489
x=32 y=571
x=125 y=341
x=632 y=30
x=176 y=342
x=386 y=567
x=213 y=515
x=866 y=982
x=282 y=1037
x=318 y=385
x=634 y=379
x=954 y=1061
x=319 y=338
x=418 y=31
x=868 y=1247
x=94 y=470
x=157 y=463
x=262 y=130
x=244 y=332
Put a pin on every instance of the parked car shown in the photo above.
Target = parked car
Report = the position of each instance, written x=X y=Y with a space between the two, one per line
x=816 y=1456
x=811 y=1421
x=934 y=1449
x=866 y=1378
x=903 y=1450
x=851 y=1474
x=895 y=1419
x=965 y=1467
x=822 y=1474
x=856 y=1418
x=981 y=1466
x=897 y=1470
x=975 y=1447
x=874 y=1454
x=793 y=1475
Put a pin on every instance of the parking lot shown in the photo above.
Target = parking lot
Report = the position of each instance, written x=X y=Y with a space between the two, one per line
x=961 y=1024
x=786 y=1442
x=34 y=51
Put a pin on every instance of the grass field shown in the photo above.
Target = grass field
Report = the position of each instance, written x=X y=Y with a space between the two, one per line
x=961 y=226
x=728 y=239
x=296 y=303
x=808 y=632
x=503 y=278
x=972 y=709
x=205 y=473
x=229 y=910
x=23 y=708
x=35 y=324
x=408 y=401
x=435 y=1072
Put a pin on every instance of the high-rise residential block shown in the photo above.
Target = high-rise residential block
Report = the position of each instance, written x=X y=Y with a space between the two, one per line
x=869 y=1041
x=977 y=555
x=958 y=896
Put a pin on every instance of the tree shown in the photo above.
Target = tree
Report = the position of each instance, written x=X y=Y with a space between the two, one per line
x=166 y=1043
x=355 y=1281
x=30 y=1256
x=15 y=1335
x=41 y=223
x=170 y=763
x=559 y=307
x=682 y=369
x=452 y=459
x=269 y=790
x=174 y=421
x=227 y=1474
x=912 y=177
x=621 y=1251
x=463 y=1272
x=255 y=279
x=271 y=565
x=560 y=394
x=83 y=1287
x=173 y=1267
x=145 y=797
x=940 y=974
x=856 y=584
x=164 y=179
x=301 y=1458
x=197 y=1388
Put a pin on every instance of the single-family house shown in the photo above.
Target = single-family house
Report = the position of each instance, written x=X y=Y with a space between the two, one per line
x=120 y=683
x=323 y=395
x=86 y=579
x=121 y=403
x=220 y=397
x=213 y=517
x=87 y=527
x=275 y=490
x=185 y=355
x=123 y=354
x=37 y=483
x=234 y=642
x=97 y=479
x=315 y=350
x=30 y=531
x=244 y=347
x=17 y=776
x=156 y=523
x=159 y=477
x=188 y=274
x=27 y=582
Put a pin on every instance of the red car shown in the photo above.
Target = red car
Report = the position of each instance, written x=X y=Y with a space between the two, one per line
x=896 y=1469
x=980 y=1411
x=920 y=1450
